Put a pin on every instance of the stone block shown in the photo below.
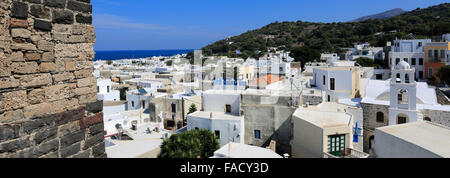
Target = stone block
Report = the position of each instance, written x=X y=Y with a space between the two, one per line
x=85 y=82
x=24 y=67
x=42 y=25
x=20 y=33
x=11 y=116
x=63 y=77
x=36 y=96
x=58 y=92
x=35 y=80
x=91 y=120
x=47 y=67
x=18 y=23
x=46 y=45
x=8 y=82
x=19 y=10
x=63 y=17
x=13 y=100
x=37 y=110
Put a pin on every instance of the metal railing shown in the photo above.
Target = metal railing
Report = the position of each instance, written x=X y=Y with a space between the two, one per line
x=349 y=153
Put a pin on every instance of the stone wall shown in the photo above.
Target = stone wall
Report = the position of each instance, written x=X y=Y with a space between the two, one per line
x=370 y=121
x=438 y=117
x=48 y=100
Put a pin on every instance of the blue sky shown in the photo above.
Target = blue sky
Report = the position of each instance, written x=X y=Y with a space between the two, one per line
x=192 y=24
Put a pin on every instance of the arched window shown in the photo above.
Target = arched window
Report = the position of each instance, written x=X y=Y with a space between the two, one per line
x=371 y=142
x=398 y=80
x=402 y=119
x=427 y=119
x=403 y=97
x=406 y=78
x=380 y=117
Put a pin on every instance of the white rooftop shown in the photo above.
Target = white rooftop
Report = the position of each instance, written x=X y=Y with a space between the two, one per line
x=238 y=150
x=434 y=138
x=321 y=115
x=376 y=88
x=215 y=115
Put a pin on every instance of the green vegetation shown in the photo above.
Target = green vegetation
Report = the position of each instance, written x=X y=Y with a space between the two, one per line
x=444 y=74
x=169 y=63
x=109 y=62
x=192 y=109
x=190 y=144
x=332 y=37
x=304 y=55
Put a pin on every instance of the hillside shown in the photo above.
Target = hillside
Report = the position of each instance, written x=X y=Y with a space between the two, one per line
x=331 y=37
x=387 y=14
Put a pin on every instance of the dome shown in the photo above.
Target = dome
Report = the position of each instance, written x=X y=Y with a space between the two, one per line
x=402 y=66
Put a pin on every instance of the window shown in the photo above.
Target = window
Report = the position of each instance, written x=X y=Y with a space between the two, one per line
x=257 y=134
x=107 y=89
x=421 y=61
x=227 y=108
x=380 y=117
x=397 y=60
x=174 y=108
x=403 y=97
x=398 y=78
x=379 y=76
x=401 y=120
x=329 y=98
x=442 y=54
x=324 y=80
x=332 y=83
x=406 y=78
x=132 y=103
x=413 y=61
x=143 y=104
x=430 y=53
x=98 y=89
x=430 y=72
x=421 y=74
x=436 y=55
x=217 y=133
x=420 y=44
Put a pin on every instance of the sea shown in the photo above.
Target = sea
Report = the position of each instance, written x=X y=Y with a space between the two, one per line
x=136 y=54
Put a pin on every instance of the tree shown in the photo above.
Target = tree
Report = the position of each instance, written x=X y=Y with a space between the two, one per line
x=190 y=144
x=192 y=109
x=304 y=54
x=365 y=62
x=109 y=62
x=444 y=74
x=169 y=63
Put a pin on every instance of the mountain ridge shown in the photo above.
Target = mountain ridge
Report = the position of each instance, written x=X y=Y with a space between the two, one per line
x=382 y=15
x=332 y=37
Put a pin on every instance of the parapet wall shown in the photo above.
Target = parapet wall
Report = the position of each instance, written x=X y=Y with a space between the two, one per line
x=48 y=100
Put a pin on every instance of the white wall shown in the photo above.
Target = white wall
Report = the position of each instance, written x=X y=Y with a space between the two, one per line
x=216 y=102
x=343 y=83
x=389 y=146
x=229 y=129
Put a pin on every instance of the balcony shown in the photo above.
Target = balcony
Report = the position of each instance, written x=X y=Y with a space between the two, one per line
x=349 y=153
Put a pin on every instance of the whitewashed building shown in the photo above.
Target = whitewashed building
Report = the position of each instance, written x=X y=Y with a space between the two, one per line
x=412 y=52
x=105 y=92
x=337 y=82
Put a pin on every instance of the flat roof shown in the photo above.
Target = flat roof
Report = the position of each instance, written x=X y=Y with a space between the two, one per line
x=432 y=137
x=222 y=92
x=325 y=115
x=337 y=68
x=215 y=115
x=238 y=150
